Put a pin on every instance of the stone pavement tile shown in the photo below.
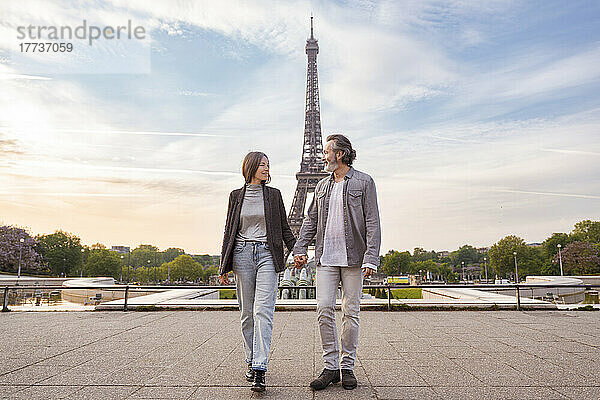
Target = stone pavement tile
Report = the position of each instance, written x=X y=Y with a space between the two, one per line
x=68 y=360
x=401 y=393
x=7 y=390
x=127 y=376
x=338 y=392
x=31 y=374
x=284 y=393
x=163 y=392
x=434 y=376
x=496 y=373
x=426 y=359
x=383 y=352
x=392 y=373
x=499 y=393
x=45 y=392
x=454 y=352
x=580 y=392
x=183 y=377
x=222 y=393
x=286 y=373
x=103 y=392
x=552 y=375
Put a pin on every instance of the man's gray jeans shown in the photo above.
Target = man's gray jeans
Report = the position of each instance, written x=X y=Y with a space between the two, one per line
x=328 y=279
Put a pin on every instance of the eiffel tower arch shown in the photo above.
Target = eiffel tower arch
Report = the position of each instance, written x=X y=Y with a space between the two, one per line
x=311 y=166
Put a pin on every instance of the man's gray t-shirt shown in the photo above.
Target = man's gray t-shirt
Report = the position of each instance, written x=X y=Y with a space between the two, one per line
x=252 y=224
x=334 y=243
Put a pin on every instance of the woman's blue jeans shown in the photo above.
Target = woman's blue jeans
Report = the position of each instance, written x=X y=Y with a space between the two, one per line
x=256 y=282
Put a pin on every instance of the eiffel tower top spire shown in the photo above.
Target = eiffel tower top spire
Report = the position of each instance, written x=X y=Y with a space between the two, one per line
x=313 y=145
x=311 y=166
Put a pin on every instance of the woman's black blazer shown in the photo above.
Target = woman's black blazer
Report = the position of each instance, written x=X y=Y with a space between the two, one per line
x=278 y=229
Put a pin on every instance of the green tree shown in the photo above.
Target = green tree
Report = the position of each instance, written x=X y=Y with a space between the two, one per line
x=395 y=263
x=61 y=251
x=102 y=262
x=466 y=253
x=502 y=260
x=587 y=231
x=550 y=245
x=171 y=253
x=185 y=268
x=144 y=253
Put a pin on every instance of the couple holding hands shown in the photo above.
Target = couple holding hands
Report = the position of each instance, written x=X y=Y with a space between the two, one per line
x=343 y=216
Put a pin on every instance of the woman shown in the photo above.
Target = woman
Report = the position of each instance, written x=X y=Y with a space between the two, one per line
x=255 y=230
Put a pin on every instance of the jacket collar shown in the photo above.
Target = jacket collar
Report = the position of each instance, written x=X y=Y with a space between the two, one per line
x=347 y=176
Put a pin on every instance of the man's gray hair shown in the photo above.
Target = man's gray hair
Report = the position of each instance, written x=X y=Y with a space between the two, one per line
x=342 y=143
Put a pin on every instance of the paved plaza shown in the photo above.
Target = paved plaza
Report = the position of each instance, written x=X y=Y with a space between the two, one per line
x=198 y=355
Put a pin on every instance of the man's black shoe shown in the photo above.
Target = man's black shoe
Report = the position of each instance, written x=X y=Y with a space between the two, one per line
x=348 y=379
x=327 y=376
x=259 y=381
x=250 y=374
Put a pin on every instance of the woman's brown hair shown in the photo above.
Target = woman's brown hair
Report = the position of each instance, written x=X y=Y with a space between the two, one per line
x=250 y=166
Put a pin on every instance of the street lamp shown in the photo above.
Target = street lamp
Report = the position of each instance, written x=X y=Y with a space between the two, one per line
x=560 y=259
x=148 y=272
x=516 y=270
x=121 y=278
x=463 y=270
x=81 y=271
x=485 y=263
x=21 y=241
x=128 y=254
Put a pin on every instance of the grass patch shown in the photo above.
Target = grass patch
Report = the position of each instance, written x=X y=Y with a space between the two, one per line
x=225 y=294
x=408 y=293
x=403 y=293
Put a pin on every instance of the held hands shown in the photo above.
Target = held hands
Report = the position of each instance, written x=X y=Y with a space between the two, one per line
x=299 y=261
x=367 y=272
x=224 y=279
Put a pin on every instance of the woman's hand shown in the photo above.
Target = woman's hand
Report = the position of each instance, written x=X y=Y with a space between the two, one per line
x=224 y=279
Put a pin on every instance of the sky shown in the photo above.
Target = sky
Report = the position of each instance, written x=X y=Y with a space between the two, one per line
x=476 y=120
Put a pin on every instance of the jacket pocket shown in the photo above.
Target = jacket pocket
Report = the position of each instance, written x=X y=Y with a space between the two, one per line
x=355 y=197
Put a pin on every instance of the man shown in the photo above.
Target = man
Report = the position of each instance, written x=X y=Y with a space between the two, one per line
x=345 y=219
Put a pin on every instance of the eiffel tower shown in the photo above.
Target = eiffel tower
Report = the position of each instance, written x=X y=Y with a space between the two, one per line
x=311 y=166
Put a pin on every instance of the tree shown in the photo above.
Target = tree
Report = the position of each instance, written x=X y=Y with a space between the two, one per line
x=11 y=249
x=466 y=253
x=587 y=231
x=102 y=262
x=185 y=268
x=144 y=253
x=171 y=253
x=61 y=251
x=580 y=258
x=395 y=262
x=550 y=245
x=501 y=254
x=420 y=254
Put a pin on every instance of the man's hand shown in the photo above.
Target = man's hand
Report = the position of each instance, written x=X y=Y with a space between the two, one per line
x=367 y=272
x=224 y=279
x=299 y=261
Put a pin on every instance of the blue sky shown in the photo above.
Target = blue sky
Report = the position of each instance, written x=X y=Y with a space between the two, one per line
x=476 y=119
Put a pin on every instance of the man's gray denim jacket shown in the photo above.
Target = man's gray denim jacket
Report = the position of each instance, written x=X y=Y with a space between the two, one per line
x=361 y=219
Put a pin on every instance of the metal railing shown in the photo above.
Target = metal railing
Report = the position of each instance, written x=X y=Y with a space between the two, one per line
x=387 y=288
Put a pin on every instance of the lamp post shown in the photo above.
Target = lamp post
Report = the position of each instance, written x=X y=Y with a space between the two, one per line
x=169 y=272
x=121 y=278
x=463 y=270
x=485 y=263
x=21 y=241
x=128 y=254
x=81 y=271
x=560 y=259
x=148 y=272
x=516 y=270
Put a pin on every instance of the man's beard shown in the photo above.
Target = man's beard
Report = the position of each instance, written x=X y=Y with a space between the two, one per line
x=331 y=166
